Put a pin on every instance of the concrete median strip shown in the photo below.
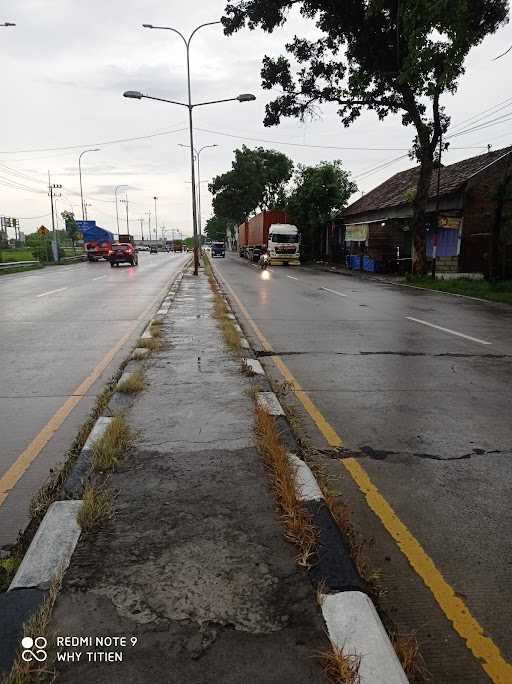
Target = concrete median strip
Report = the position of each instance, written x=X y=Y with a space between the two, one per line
x=74 y=485
x=51 y=548
x=353 y=624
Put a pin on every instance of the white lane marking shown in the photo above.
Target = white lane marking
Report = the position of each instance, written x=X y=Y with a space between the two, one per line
x=340 y=294
x=292 y=277
x=59 y=289
x=447 y=330
x=100 y=277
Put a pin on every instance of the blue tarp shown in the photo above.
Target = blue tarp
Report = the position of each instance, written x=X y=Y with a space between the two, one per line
x=91 y=232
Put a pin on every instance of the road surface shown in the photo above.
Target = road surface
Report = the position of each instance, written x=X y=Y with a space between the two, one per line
x=64 y=331
x=417 y=387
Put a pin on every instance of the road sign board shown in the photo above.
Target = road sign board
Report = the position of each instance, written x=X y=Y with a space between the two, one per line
x=43 y=230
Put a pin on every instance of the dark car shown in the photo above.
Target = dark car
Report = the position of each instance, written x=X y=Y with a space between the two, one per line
x=153 y=249
x=123 y=253
x=218 y=249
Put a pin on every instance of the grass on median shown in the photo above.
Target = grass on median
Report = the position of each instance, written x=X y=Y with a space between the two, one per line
x=341 y=667
x=133 y=384
x=96 y=507
x=151 y=343
x=500 y=291
x=108 y=451
x=297 y=521
x=226 y=324
x=156 y=328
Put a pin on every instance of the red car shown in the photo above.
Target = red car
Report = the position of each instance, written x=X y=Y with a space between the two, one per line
x=123 y=253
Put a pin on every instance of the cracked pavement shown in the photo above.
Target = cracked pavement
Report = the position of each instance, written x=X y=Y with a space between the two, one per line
x=194 y=562
x=426 y=412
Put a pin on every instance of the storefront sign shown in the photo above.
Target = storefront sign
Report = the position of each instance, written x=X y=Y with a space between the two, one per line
x=356 y=232
x=449 y=222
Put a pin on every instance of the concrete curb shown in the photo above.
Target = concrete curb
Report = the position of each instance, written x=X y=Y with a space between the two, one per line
x=51 y=548
x=75 y=482
x=354 y=626
x=352 y=621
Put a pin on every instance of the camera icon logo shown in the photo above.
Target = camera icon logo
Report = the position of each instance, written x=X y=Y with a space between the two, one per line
x=34 y=649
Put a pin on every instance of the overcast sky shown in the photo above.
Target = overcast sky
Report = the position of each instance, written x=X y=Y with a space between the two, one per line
x=67 y=62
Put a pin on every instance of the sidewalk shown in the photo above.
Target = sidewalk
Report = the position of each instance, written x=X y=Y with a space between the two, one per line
x=364 y=275
x=193 y=562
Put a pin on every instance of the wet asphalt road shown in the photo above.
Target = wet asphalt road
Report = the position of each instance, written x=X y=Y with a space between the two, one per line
x=427 y=412
x=57 y=325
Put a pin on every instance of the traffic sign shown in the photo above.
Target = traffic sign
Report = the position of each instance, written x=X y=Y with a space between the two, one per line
x=43 y=230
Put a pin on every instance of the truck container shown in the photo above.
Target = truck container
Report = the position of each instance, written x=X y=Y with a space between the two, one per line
x=97 y=240
x=269 y=232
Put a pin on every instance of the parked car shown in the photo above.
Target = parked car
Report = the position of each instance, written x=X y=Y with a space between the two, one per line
x=153 y=249
x=123 y=253
x=218 y=249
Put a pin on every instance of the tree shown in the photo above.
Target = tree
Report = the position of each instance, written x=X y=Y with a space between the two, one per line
x=72 y=230
x=216 y=228
x=388 y=56
x=320 y=191
x=257 y=180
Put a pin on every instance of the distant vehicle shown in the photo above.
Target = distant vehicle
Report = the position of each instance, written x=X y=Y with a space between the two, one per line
x=218 y=249
x=97 y=241
x=143 y=248
x=269 y=232
x=126 y=238
x=153 y=249
x=123 y=253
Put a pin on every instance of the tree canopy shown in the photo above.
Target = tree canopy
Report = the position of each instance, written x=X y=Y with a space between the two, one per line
x=390 y=56
x=216 y=228
x=319 y=193
x=256 y=181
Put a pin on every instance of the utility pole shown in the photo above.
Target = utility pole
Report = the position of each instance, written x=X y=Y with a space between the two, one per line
x=434 y=233
x=156 y=220
x=148 y=214
x=142 y=228
x=51 y=194
x=127 y=221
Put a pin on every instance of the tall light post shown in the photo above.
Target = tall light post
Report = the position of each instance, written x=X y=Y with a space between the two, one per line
x=156 y=220
x=126 y=202
x=198 y=157
x=96 y=149
x=117 y=210
x=138 y=96
x=148 y=214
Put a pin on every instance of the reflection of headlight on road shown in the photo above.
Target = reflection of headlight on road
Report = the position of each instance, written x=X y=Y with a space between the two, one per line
x=265 y=275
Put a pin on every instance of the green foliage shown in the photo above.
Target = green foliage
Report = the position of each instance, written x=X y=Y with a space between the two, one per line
x=216 y=228
x=320 y=192
x=189 y=242
x=483 y=289
x=383 y=55
x=71 y=225
x=256 y=181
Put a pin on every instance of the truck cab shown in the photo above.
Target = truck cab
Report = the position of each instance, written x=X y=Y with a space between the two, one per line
x=283 y=244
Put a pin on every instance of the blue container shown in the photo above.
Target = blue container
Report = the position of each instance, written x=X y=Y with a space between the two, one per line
x=355 y=262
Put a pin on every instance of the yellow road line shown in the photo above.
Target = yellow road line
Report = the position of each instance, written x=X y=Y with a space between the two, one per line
x=24 y=460
x=482 y=647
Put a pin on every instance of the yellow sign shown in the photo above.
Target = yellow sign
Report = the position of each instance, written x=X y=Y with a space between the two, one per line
x=449 y=222
x=43 y=230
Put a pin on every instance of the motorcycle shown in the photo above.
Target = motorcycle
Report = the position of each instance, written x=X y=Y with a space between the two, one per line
x=264 y=262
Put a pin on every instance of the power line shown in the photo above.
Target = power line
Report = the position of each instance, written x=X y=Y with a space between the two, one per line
x=105 y=142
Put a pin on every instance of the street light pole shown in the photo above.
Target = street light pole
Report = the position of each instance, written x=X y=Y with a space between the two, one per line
x=96 y=149
x=156 y=220
x=198 y=157
x=241 y=98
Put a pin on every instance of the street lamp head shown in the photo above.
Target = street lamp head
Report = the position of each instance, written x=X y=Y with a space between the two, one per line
x=133 y=94
x=147 y=26
x=246 y=97
x=8 y=23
